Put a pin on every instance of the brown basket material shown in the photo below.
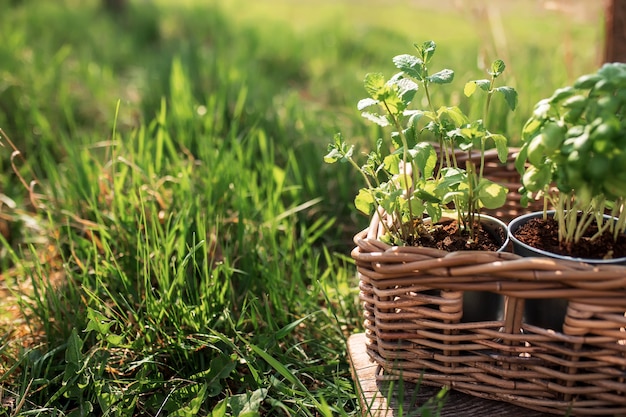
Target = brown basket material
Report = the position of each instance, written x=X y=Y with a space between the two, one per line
x=413 y=309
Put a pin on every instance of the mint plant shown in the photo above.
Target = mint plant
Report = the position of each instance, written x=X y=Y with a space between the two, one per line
x=407 y=177
x=574 y=154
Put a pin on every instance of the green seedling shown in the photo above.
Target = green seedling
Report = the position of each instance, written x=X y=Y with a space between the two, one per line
x=407 y=177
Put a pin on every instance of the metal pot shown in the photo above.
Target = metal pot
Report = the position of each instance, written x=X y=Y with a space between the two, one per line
x=547 y=312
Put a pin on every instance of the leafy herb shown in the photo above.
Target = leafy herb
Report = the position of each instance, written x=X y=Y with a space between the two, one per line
x=574 y=154
x=415 y=178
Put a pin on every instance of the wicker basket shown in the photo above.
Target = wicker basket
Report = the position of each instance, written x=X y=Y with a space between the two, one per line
x=413 y=308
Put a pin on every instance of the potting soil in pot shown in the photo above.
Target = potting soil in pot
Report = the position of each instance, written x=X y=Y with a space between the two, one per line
x=543 y=234
x=445 y=236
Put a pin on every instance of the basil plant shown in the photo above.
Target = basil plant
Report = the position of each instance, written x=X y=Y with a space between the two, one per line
x=415 y=173
x=574 y=154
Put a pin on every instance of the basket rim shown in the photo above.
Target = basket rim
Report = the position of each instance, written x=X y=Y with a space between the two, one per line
x=368 y=241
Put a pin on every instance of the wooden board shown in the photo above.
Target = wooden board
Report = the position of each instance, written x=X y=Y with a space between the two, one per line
x=393 y=399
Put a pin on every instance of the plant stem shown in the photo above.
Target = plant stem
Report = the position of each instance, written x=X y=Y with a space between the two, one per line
x=369 y=187
x=616 y=213
x=485 y=124
x=445 y=153
x=582 y=224
x=405 y=157
x=470 y=170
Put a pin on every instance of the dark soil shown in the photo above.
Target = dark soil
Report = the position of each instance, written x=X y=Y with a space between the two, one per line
x=446 y=236
x=543 y=234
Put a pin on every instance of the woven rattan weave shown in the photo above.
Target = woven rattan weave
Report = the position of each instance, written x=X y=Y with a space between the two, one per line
x=413 y=309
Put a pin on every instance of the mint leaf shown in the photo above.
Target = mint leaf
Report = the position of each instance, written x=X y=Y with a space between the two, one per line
x=375 y=85
x=500 y=141
x=365 y=103
x=510 y=95
x=497 y=68
x=392 y=162
x=442 y=77
x=410 y=65
x=338 y=150
x=426 y=50
x=425 y=158
x=376 y=118
x=364 y=201
x=406 y=90
x=455 y=114
x=470 y=87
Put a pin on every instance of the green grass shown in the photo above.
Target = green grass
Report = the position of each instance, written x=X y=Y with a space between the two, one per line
x=172 y=238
